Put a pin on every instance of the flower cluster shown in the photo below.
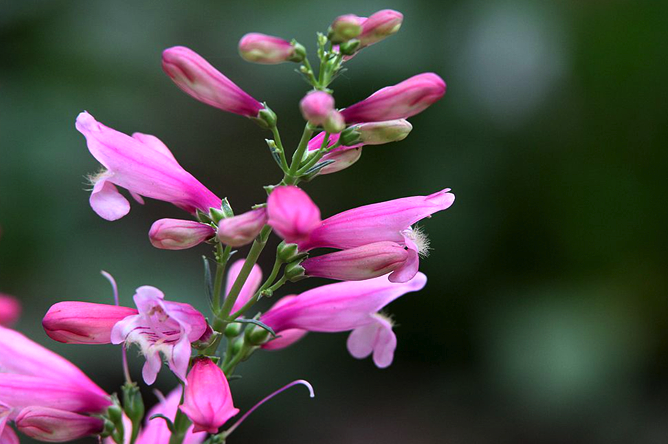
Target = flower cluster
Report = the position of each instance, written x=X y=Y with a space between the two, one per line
x=376 y=255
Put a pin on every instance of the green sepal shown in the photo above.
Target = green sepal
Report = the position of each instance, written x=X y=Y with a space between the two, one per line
x=170 y=424
x=259 y=324
x=208 y=280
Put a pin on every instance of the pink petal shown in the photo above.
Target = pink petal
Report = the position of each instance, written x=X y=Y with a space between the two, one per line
x=107 y=202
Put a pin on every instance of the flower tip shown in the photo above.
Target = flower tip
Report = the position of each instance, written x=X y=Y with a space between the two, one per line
x=86 y=122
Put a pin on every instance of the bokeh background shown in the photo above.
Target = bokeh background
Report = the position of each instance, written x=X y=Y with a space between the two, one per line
x=544 y=319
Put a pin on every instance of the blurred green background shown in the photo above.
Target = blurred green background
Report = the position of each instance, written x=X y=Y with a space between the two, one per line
x=544 y=319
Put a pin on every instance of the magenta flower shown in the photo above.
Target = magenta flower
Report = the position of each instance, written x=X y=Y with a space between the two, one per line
x=144 y=166
x=53 y=425
x=161 y=327
x=10 y=310
x=249 y=288
x=379 y=26
x=366 y=262
x=241 y=230
x=316 y=107
x=7 y=434
x=266 y=49
x=197 y=78
x=292 y=213
x=400 y=101
x=177 y=234
x=208 y=401
x=344 y=306
x=74 y=322
x=24 y=381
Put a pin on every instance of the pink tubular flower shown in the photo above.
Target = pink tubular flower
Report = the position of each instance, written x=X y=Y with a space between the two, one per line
x=144 y=166
x=177 y=234
x=160 y=327
x=379 y=26
x=156 y=431
x=7 y=434
x=208 y=401
x=266 y=49
x=22 y=356
x=365 y=262
x=10 y=310
x=197 y=78
x=53 y=425
x=250 y=286
x=240 y=230
x=292 y=213
x=400 y=101
x=384 y=221
x=74 y=322
x=343 y=306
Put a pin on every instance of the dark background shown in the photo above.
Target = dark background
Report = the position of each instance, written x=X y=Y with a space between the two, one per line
x=544 y=319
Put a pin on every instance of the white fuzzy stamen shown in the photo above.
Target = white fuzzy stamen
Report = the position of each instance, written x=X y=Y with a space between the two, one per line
x=421 y=240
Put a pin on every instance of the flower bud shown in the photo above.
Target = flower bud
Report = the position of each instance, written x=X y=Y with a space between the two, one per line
x=269 y=50
x=177 y=234
x=232 y=330
x=52 y=425
x=207 y=400
x=294 y=272
x=196 y=77
x=257 y=335
x=316 y=107
x=292 y=213
x=240 y=230
x=83 y=322
x=334 y=123
x=133 y=404
x=379 y=133
x=287 y=253
x=350 y=47
x=344 y=28
x=10 y=310
x=379 y=26
x=360 y=263
x=400 y=101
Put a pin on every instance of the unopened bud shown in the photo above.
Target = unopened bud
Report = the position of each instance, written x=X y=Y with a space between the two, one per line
x=288 y=252
x=294 y=272
x=379 y=26
x=258 y=335
x=350 y=47
x=378 y=133
x=53 y=425
x=241 y=230
x=177 y=234
x=334 y=123
x=232 y=330
x=344 y=28
x=316 y=107
x=267 y=118
x=269 y=50
x=133 y=404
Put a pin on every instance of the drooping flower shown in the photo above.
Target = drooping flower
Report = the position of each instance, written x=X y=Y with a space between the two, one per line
x=197 y=78
x=267 y=49
x=161 y=327
x=344 y=306
x=292 y=213
x=53 y=425
x=240 y=230
x=144 y=166
x=207 y=401
x=177 y=234
x=400 y=101
x=74 y=322
x=10 y=310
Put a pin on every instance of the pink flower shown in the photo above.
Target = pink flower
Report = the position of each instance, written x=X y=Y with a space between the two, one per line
x=292 y=213
x=266 y=49
x=241 y=230
x=53 y=425
x=345 y=27
x=144 y=166
x=400 y=101
x=10 y=310
x=74 y=322
x=316 y=107
x=339 y=307
x=365 y=262
x=379 y=26
x=208 y=401
x=250 y=286
x=34 y=376
x=197 y=78
x=7 y=434
x=177 y=234
x=161 y=327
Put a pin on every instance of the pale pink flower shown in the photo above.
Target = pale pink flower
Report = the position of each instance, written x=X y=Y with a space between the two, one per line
x=400 y=101
x=144 y=166
x=53 y=425
x=249 y=288
x=178 y=234
x=10 y=310
x=344 y=306
x=365 y=262
x=379 y=26
x=161 y=327
x=197 y=78
x=75 y=322
x=292 y=213
x=208 y=401
x=266 y=49
x=241 y=230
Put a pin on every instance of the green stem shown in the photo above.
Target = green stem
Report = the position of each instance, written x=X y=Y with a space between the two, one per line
x=279 y=144
x=316 y=157
x=221 y=261
x=299 y=153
